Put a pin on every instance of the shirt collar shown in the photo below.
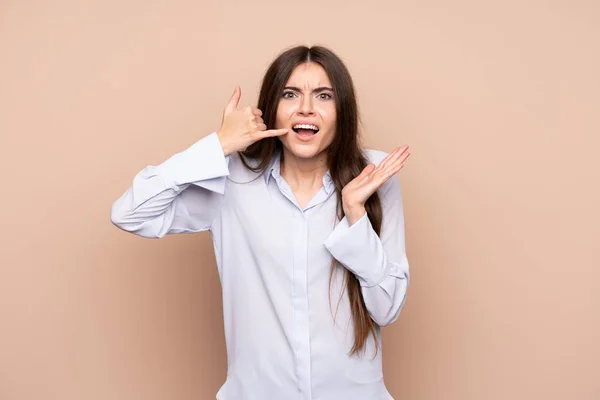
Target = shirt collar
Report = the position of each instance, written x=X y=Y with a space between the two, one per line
x=274 y=170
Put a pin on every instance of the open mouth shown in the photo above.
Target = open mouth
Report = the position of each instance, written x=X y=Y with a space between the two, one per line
x=305 y=129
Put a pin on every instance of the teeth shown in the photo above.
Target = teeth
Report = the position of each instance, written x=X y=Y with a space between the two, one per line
x=305 y=126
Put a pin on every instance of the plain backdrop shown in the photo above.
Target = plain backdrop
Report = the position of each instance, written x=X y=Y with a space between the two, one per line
x=498 y=100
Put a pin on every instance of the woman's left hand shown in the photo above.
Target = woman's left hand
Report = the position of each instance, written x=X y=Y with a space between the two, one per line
x=356 y=193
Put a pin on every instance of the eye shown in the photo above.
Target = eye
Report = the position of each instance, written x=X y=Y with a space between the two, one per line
x=324 y=96
x=288 y=95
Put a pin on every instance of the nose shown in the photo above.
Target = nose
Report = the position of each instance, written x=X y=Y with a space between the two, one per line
x=306 y=106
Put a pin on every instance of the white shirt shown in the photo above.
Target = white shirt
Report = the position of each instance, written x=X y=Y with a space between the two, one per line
x=274 y=261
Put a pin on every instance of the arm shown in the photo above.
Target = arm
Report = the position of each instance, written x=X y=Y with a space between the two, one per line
x=379 y=262
x=181 y=195
x=184 y=193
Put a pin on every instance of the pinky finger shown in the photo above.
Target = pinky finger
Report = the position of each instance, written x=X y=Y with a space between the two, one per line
x=400 y=160
x=273 y=132
x=394 y=167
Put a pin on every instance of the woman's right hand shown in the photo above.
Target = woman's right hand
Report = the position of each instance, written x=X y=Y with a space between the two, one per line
x=240 y=128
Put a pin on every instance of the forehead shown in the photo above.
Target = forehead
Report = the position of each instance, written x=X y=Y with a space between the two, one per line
x=308 y=75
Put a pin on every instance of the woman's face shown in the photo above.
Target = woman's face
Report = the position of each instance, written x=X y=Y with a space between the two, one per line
x=307 y=108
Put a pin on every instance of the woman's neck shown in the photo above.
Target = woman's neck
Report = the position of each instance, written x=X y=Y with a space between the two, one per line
x=303 y=174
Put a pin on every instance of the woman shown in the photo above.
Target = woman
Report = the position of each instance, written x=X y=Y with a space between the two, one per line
x=307 y=228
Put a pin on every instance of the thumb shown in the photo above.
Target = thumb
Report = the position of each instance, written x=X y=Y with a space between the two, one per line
x=234 y=101
x=366 y=171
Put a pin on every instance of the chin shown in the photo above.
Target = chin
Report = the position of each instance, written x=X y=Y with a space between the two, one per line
x=301 y=150
x=304 y=151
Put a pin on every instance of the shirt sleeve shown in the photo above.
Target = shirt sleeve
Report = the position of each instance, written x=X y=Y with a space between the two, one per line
x=379 y=262
x=181 y=195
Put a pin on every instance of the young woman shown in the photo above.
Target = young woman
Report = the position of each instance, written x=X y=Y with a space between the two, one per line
x=307 y=227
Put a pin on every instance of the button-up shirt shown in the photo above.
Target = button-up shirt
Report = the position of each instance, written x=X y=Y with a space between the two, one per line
x=288 y=328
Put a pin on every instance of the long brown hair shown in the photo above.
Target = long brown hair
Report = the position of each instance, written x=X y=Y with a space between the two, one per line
x=345 y=158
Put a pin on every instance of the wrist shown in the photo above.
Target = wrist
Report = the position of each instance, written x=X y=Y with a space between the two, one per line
x=354 y=213
x=224 y=146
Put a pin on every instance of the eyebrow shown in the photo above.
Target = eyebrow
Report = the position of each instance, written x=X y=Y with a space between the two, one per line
x=319 y=89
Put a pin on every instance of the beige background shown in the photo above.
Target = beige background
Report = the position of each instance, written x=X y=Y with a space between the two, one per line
x=498 y=101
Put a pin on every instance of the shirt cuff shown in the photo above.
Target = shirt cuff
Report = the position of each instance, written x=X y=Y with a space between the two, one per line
x=360 y=250
x=203 y=164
